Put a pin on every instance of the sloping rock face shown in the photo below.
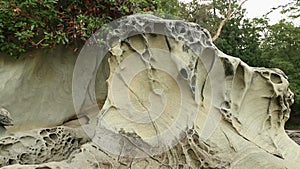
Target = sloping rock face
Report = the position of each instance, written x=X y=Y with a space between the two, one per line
x=37 y=89
x=173 y=101
x=34 y=87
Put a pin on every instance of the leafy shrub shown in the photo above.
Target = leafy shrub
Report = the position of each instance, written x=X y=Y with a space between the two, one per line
x=46 y=23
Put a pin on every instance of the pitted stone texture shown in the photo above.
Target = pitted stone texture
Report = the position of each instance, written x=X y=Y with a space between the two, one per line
x=40 y=146
x=252 y=107
x=254 y=102
x=5 y=118
x=172 y=72
x=191 y=34
x=257 y=103
x=189 y=153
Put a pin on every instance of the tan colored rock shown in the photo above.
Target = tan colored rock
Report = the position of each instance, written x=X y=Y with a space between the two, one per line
x=37 y=88
x=5 y=118
x=40 y=145
x=174 y=101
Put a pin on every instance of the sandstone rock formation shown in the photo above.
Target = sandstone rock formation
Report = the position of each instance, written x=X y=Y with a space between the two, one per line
x=5 y=118
x=173 y=101
x=37 y=88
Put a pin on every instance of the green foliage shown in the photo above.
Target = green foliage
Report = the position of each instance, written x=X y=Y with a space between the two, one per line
x=292 y=8
x=46 y=23
x=239 y=36
x=22 y=23
x=201 y=14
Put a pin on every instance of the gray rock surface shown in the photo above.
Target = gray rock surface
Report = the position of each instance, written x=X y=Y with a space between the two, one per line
x=36 y=88
x=40 y=145
x=5 y=118
x=239 y=120
x=295 y=135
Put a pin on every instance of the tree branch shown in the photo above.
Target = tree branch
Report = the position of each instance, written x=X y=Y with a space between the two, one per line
x=227 y=18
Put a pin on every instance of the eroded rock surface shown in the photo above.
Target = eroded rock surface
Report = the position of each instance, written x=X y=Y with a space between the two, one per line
x=5 y=118
x=188 y=105
x=37 y=88
x=40 y=145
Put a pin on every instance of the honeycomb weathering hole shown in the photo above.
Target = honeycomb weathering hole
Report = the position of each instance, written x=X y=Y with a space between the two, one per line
x=158 y=72
x=148 y=113
x=152 y=91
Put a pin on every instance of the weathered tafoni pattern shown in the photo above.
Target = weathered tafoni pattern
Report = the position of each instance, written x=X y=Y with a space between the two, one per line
x=189 y=106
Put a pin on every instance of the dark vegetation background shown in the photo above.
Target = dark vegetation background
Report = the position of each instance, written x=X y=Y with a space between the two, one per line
x=26 y=24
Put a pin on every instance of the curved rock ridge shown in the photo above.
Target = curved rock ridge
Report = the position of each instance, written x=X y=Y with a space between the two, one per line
x=173 y=101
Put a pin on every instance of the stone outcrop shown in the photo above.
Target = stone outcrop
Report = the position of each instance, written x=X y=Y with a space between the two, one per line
x=173 y=101
x=40 y=145
x=5 y=118
x=37 y=88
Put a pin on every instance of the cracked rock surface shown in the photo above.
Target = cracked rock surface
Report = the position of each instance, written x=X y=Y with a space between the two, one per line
x=173 y=101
